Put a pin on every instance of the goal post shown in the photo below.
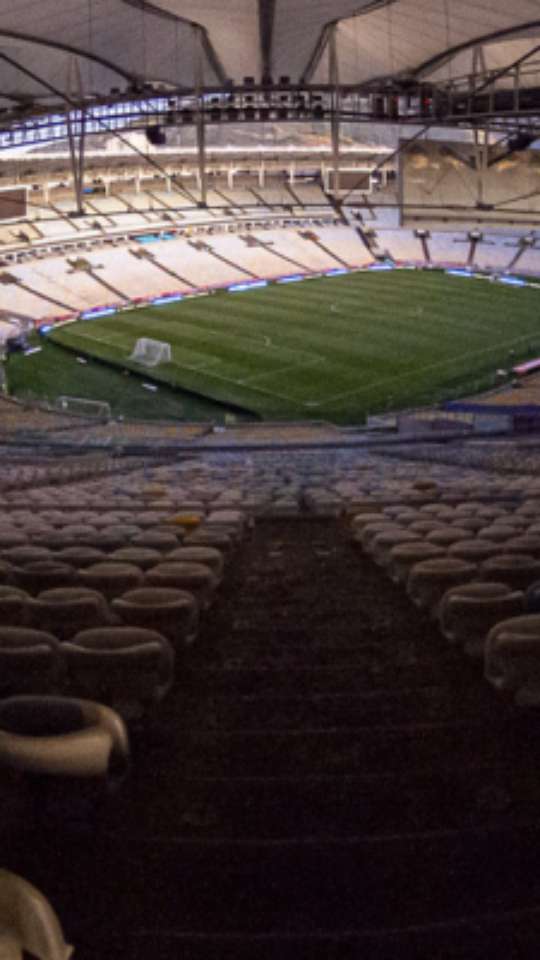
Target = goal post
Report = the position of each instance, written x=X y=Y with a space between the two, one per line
x=150 y=353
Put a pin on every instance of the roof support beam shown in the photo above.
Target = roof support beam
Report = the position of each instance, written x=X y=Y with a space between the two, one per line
x=441 y=58
x=324 y=37
x=68 y=48
x=266 y=33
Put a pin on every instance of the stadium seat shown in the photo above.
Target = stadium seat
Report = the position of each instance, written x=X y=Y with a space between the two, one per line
x=120 y=665
x=467 y=612
x=172 y=612
x=512 y=658
x=518 y=570
x=209 y=556
x=13 y=606
x=403 y=557
x=474 y=550
x=66 y=610
x=142 y=557
x=430 y=579
x=28 y=922
x=111 y=579
x=44 y=575
x=193 y=577
x=30 y=660
x=62 y=736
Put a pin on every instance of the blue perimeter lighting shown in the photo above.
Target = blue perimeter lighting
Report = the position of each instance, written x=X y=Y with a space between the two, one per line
x=338 y=272
x=240 y=287
x=459 y=273
x=45 y=328
x=153 y=237
x=93 y=314
x=513 y=281
x=294 y=278
x=173 y=298
x=382 y=266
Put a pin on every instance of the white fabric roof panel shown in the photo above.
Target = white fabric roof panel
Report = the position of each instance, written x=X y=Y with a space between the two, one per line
x=122 y=40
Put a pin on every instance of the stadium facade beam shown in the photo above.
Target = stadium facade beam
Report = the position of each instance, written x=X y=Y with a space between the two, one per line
x=199 y=118
x=267 y=10
x=76 y=139
x=333 y=76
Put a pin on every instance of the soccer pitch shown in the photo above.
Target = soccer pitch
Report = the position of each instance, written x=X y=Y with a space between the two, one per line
x=334 y=348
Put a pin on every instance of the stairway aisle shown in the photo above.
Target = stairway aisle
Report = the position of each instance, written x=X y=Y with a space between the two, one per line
x=328 y=780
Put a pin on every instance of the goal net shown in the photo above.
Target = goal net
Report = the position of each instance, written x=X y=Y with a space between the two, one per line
x=80 y=407
x=150 y=353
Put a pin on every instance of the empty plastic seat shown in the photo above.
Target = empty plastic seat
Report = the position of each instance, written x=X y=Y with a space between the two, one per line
x=120 y=664
x=512 y=658
x=173 y=613
x=44 y=575
x=474 y=550
x=62 y=736
x=467 y=612
x=368 y=533
x=111 y=579
x=497 y=533
x=193 y=577
x=518 y=570
x=523 y=544
x=205 y=537
x=28 y=922
x=209 y=556
x=67 y=610
x=156 y=540
x=233 y=522
x=446 y=536
x=30 y=660
x=27 y=553
x=403 y=557
x=5 y=571
x=13 y=606
x=427 y=526
x=81 y=556
x=382 y=543
x=430 y=579
x=470 y=524
x=141 y=557
x=12 y=538
x=361 y=520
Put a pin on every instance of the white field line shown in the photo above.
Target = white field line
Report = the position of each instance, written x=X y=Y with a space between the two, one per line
x=274 y=373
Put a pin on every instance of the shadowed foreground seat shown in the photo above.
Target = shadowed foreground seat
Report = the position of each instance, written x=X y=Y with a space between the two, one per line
x=30 y=660
x=61 y=736
x=512 y=658
x=196 y=578
x=209 y=556
x=403 y=557
x=468 y=612
x=28 y=922
x=13 y=606
x=518 y=570
x=66 y=610
x=44 y=575
x=173 y=613
x=111 y=579
x=120 y=664
x=430 y=579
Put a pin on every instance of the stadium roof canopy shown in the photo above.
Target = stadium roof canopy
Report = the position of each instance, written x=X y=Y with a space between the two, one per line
x=121 y=44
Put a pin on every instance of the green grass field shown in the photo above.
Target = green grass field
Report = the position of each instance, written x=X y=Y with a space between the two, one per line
x=333 y=348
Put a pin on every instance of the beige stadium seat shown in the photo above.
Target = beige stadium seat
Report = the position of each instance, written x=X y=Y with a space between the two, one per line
x=518 y=570
x=12 y=538
x=361 y=520
x=427 y=526
x=474 y=550
x=142 y=557
x=381 y=545
x=471 y=524
x=44 y=575
x=173 y=613
x=120 y=664
x=81 y=556
x=30 y=661
x=497 y=532
x=28 y=553
x=5 y=571
x=209 y=556
x=111 y=579
x=403 y=557
x=367 y=534
x=66 y=610
x=205 y=537
x=467 y=612
x=13 y=606
x=28 y=922
x=233 y=522
x=62 y=736
x=524 y=544
x=193 y=577
x=430 y=579
x=156 y=540
x=512 y=658
x=446 y=536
